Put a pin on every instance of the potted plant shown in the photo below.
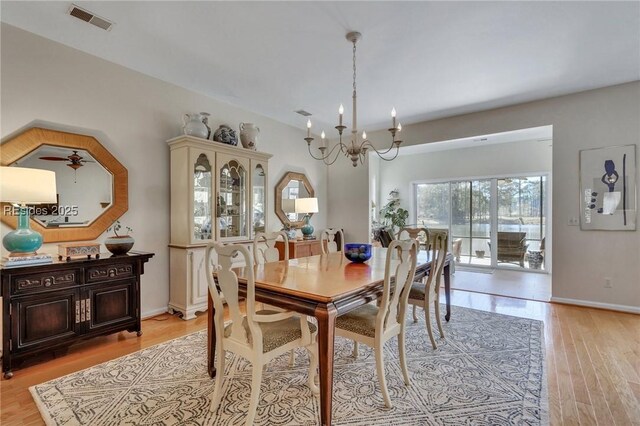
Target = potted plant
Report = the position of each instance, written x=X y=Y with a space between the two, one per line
x=119 y=244
x=392 y=214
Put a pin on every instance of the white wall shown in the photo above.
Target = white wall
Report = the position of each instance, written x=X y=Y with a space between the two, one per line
x=133 y=116
x=506 y=159
x=597 y=118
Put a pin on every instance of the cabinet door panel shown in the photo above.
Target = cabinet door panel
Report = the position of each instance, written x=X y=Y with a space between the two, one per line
x=110 y=304
x=303 y=250
x=315 y=248
x=199 y=284
x=40 y=320
x=232 y=205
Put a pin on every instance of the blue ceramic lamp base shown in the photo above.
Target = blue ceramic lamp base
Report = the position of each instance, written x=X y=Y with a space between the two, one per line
x=23 y=241
x=307 y=229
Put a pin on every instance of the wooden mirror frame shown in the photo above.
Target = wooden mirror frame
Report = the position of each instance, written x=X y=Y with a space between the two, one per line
x=28 y=141
x=282 y=184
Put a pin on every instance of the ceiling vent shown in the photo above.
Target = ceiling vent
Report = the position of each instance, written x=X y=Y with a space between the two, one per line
x=303 y=113
x=86 y=16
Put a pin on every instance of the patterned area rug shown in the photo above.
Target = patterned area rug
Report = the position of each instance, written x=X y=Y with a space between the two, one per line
x=489 y=370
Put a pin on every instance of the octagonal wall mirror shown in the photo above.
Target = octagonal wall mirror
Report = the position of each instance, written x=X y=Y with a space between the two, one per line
x=292 y=186
x=91 y=183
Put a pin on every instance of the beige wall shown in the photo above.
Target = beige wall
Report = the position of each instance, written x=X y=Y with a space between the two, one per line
x=581 y=260
x=133 y=115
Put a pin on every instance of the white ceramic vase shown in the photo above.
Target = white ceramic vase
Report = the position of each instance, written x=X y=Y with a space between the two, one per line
x=193 y=126
x=249 y=135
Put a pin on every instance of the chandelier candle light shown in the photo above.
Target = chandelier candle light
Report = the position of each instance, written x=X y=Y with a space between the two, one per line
x=358 y=147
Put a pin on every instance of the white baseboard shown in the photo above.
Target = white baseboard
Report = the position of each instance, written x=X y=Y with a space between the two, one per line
x=154 y=312
x=609 y=306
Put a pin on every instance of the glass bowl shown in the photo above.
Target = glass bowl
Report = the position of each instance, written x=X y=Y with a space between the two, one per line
x=357 y=252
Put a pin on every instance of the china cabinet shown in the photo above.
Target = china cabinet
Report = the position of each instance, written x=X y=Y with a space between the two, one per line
x=218 y=193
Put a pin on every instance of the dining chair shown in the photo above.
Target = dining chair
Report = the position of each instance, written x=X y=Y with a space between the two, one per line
x=421 y=234
x=374 y=325
x=423 y=293
x=265 y=251
x=332 y=237
x=264 y=247
x=257 y=336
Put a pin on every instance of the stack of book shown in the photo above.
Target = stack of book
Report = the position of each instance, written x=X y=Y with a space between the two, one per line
x=34 y=259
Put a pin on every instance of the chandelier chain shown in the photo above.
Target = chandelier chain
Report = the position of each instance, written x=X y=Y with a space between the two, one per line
x=354 y=68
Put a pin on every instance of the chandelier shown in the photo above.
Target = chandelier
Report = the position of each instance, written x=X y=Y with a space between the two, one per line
x=358 y=147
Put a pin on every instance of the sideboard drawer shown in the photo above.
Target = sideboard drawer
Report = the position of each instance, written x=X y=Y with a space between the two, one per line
x=51 y=280
x=109 y=272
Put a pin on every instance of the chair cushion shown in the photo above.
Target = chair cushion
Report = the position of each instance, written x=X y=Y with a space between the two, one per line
x=275 y=334
x=417 y=291
x=361 y=320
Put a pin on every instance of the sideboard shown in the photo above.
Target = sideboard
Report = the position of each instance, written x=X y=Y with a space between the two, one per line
x=49 y=307
x=300 y=248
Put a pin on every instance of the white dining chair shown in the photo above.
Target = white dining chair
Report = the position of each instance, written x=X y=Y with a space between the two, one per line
x=423 y=293
x=265 y=251
x=420 y=233
x=259 y=336
x=264 y=247
x=374 y=325
x=329 y=240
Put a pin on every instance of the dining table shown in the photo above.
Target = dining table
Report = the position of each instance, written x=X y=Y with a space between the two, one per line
x=325 y=287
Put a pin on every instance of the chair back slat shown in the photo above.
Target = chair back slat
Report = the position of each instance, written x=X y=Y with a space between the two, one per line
x=395 y=294
x=227 y=285
x=264 y=247
x=420 y=234
x=439 y=246
x=331 y=236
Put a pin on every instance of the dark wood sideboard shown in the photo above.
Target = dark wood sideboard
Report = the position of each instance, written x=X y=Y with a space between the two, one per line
x=49 y=307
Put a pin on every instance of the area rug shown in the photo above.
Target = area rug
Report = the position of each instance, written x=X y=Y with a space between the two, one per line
x=489 y=370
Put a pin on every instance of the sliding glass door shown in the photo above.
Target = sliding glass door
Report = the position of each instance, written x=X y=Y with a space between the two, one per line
x=491 y=222
x=471 y=220
x=521 y=221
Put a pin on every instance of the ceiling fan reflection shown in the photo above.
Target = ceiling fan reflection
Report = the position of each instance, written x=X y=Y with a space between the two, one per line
x=75 y=161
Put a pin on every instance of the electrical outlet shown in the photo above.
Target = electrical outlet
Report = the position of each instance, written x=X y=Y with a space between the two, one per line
x=574 y=221
x=607 y=282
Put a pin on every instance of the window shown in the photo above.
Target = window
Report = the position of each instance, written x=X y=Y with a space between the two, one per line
x=507 y=214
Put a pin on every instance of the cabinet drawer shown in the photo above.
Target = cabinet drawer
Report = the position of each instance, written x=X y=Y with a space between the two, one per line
x=51 y=280
x=111 y=272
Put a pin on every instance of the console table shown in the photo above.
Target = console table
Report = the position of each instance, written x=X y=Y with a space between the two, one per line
x=51 y=306
x=300 y=248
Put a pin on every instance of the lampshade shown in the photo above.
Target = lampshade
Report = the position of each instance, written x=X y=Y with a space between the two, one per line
x=289 y=205
x=27 y=186
x=306 y=205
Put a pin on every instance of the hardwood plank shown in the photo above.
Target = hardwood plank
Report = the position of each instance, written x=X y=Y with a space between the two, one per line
x=565 y=388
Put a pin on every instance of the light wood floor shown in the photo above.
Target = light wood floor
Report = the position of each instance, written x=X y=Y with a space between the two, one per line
x=593 y=360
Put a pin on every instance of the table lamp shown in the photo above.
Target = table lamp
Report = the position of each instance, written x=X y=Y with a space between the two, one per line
x=24 y=186
x=307 y=206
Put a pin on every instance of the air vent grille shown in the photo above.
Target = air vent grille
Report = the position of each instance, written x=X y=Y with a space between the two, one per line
x=303 y=113
x=80 y=14
x=86 y=16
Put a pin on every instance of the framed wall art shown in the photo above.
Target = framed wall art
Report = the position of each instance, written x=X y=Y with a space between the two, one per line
x=608 y=188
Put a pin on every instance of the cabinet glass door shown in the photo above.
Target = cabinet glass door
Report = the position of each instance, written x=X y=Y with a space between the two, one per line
x=202 y=196
x=258 y=184
x=232 y=206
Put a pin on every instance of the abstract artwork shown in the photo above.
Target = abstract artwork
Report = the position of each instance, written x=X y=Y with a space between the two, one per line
x=608 y=188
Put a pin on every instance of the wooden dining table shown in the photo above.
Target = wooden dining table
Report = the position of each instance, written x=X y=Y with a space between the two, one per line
x=325 y=287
